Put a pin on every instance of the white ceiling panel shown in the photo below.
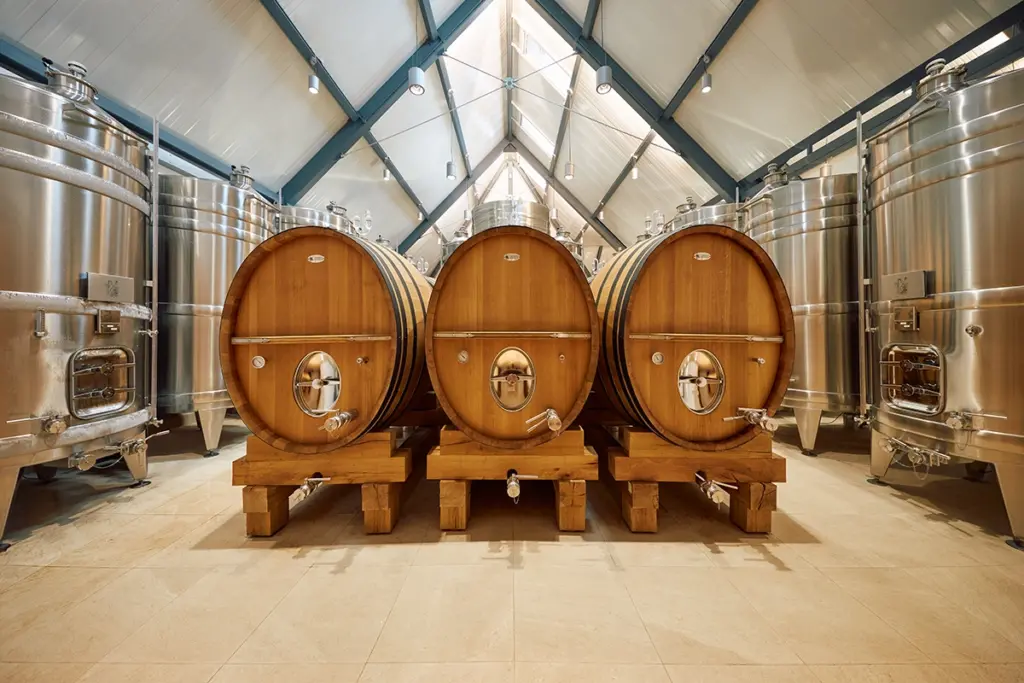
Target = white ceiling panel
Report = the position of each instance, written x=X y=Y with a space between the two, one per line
x=538 y=30
x=443 y=9
x=520 y=190
x=481 y=114
x=660 y=41
x=420 y=154
x=360 y=43
x=356 y=182
x=577 y=8
x=221 y=74
x=604 y=133
x=665 y=182
x=803 y=62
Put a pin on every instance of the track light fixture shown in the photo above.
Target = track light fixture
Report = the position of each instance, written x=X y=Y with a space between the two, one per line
x=450 y=170
x=419 y=216
x=600 y=215
x=570 y=170
x=705 y=80
x=635 y=173
x=387 y=174
x=417 y=81
x=313 y=81
x=604 y=80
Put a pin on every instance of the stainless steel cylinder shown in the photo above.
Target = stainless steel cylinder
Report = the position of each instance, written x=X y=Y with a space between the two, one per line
x=207 y=229
x=335 y=217
x=505 y=212
x=73 y=274
x=726 y=214
x=945 y=205
x=809 y=228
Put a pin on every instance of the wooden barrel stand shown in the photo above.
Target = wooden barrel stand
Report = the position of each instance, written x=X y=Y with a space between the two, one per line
x=636 y=461
x=377 y=461
x=458 y=460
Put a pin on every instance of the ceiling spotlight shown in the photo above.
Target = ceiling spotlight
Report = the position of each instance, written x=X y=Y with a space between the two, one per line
x=600 y=215
x=417 y=81
x=450 y=170
x=314 y=84
x=705 y=80
x=570 y=170
x=553 y=214
x=419 y=216
x=387 y=174
x=604 y=80
x=635 y=173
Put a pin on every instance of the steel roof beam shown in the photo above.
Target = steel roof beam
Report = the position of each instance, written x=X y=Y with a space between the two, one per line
x=591 y=18
x=460 y=189
x=564 y=123
x=298 y=41
x=357 y=127
x=568 y=196
x=732 y=24
x=1004 y=21
x=29 y=65
x=630 y=165
x=638 y=98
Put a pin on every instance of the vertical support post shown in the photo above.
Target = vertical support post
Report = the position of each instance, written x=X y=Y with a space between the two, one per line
x=454 y=504
x=381 y=507
x=154 y=247
x=862 y=328
x=751 y=506
x=265 y=508
x=571 y=500
x=640 y=505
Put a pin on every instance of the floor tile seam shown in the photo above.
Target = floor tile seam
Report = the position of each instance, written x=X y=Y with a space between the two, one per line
x=96 y=586
x=654 y=646
x=93 y=665
x=384 y=624
x=266 y=616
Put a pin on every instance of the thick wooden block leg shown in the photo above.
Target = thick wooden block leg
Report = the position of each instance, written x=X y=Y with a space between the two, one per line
x=751 y=506
x=571 y=499
x=454 y=504
x=265 y=508
x=8 y=482
x=640 y=505
x=380 y=507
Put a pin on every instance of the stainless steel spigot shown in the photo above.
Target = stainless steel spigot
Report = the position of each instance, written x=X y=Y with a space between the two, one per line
x=548 y=417
x=310 y=485
x=710 y=488
x=513 y=487
x=758 y=417
x=339 y=420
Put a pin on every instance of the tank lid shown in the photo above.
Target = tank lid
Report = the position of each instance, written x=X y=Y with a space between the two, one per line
x=689 y=205
x=382 y=241
x=71 y=82
x=939 y=79
x=241 y=177
x=776 y=176
x=511 y=212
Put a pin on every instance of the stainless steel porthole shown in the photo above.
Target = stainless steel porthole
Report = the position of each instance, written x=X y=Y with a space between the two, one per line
x=701 y=381
x=317 y=384
x=513 y=379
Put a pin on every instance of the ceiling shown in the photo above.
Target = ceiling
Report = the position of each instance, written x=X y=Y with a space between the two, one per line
x=231 y=77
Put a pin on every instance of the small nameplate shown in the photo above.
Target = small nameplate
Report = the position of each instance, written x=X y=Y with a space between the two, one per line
x=702 y=256
x=114 y=288
x=910 y=285
x=511 y=257
x=316 y=258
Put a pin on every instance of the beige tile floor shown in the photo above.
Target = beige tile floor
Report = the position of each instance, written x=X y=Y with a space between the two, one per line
x=857 y=583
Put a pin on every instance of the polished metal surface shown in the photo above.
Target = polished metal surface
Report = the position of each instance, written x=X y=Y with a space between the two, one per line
x=945 y=199
x=511 y=212
x=317 y=383
x=74 y=186
x=335 y=217
x=809 y=229
x=513 y=379
x=207 y=230
x=701 y=381
x=688 y=214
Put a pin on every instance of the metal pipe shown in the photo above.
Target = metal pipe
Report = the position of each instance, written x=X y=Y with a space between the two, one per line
x=862 y=342
x=686 y=336
x=69 y=305
x=154 y=246
x=511 y=333
x=309 y=339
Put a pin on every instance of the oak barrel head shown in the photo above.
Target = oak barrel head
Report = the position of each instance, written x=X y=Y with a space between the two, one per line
x=511 y=335
x=696 y=328
x=322 y=338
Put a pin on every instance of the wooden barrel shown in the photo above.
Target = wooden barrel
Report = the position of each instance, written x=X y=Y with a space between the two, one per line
x=512 y=334
x=695 y=326
x=321 y=338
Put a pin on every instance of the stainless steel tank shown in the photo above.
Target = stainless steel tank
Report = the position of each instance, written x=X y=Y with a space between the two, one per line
x=946 y=200
x=688 y=213
x=335 y=217
x=207 y=229
x=504 y=212
x=74 y=320
x=809 y=228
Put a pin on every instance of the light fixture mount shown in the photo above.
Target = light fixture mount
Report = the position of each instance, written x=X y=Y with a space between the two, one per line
x=604 y=80
x=417 y=81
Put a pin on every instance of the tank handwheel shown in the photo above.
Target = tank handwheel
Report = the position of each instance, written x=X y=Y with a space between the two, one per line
x=44 y=473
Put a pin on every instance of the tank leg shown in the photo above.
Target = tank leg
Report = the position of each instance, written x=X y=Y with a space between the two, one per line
x=807 y=421
x=8 y=482
x=211 y=422
x=1011 y=483
x=880 y=459
x=138 y=466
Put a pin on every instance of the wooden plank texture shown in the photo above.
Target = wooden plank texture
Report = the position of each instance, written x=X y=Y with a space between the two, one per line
x=571 y=502
x=454 y=497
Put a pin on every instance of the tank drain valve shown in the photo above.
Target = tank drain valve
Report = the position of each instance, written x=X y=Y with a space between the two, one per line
x=55 y=425
x=758 y=417
x=512 y=484
x=549 y=417
x=918 y=456
x=339 y=420
x=712 y=489
x=311 y=484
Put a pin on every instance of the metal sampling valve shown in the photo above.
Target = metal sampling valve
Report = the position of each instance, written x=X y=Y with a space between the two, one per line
x=917 y=455
x=712 y=489
x=310 y=485
x=339 y=420
x=512 y=485
x=548 y=417
x=758 y=417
